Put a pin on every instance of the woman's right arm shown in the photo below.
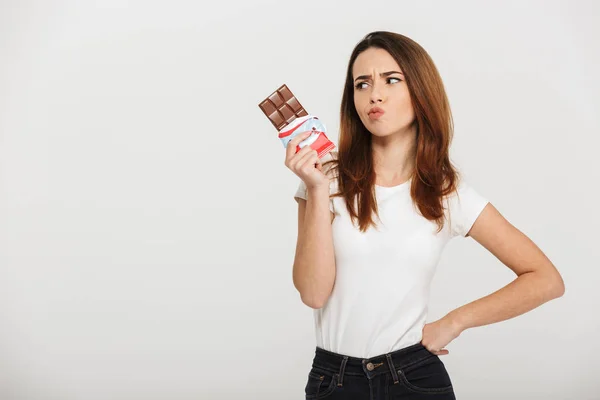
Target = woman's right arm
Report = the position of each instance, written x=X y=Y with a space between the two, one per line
x=314 y=262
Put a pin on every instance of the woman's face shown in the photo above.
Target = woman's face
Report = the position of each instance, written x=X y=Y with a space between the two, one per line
x=378 y=82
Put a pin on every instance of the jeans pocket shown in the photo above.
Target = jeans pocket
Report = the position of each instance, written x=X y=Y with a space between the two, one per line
x=427 y=376
x=320 y=384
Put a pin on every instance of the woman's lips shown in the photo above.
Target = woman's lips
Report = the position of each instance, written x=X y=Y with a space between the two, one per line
x=375 y=115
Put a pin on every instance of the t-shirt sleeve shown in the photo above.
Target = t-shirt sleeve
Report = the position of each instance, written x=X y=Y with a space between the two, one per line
x=301 y=193
x=465 y=206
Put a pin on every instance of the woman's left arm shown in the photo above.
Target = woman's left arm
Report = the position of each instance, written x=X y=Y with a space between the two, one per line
x=537 y=282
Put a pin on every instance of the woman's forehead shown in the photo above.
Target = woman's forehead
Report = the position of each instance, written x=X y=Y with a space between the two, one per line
x=374 y=61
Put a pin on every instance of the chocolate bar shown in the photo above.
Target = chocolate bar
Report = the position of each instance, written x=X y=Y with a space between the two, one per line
x=289 y=117
x=282 y=107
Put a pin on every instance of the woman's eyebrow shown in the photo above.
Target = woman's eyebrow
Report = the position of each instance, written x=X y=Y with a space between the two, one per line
x=382 y=74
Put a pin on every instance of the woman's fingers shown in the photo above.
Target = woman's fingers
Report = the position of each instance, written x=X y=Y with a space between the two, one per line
x=290 y=149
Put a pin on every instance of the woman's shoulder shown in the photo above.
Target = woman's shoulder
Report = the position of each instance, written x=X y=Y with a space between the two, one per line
x=465 y=203
x=332 y=155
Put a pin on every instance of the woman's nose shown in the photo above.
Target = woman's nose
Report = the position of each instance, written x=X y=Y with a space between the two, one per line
x=376 y=96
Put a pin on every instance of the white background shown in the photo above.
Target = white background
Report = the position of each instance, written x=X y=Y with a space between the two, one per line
x=148 y=224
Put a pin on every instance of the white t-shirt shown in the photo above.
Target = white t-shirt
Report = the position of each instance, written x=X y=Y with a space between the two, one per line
x=383 y=276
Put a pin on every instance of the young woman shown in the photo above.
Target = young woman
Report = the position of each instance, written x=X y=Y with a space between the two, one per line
x=368 y=281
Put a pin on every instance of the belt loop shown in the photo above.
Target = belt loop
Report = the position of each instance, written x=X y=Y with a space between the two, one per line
x=392 y=368
x=342 y=368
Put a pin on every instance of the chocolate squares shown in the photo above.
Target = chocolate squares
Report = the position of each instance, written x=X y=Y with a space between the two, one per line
x=282 y=107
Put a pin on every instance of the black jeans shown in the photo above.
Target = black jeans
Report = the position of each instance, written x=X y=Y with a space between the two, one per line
x=411 y=373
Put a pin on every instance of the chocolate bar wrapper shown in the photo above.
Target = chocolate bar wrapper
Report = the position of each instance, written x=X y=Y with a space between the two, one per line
x=318 y=140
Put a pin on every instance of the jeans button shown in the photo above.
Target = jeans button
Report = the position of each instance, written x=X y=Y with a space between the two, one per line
x=370 y=366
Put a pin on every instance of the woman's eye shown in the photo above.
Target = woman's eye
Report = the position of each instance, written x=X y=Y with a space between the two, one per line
x=358 y=85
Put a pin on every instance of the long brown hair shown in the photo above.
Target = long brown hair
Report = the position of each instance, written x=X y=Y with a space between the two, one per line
x=434 y=176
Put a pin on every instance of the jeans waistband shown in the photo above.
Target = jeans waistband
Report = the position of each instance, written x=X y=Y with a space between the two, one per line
x=341 y=364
